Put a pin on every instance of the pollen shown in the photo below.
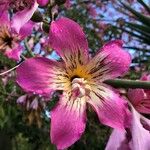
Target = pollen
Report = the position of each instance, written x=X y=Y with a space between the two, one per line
x=79 y=72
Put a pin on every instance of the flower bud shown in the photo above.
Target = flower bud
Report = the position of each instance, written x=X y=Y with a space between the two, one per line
x=42 y=2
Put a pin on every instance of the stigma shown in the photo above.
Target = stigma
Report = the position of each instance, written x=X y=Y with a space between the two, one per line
x=80 y=87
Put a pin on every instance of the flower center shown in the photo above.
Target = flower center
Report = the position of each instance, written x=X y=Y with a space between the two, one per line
x=19 y=5
x=80 y=87
x=6 y=38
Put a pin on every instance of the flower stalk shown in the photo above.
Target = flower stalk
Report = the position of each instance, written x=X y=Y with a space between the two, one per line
x=124 y=83
x=8 y=71
x=28 y=48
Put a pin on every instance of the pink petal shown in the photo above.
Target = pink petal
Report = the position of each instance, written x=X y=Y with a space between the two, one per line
x=145 y=77
x=22 y=99
x=68 y=120
x=110 y=62
x=4 y=18
x=117 y=141
x=140 y=136
x=42 y=2
x=92 y=10
x=26 y=29
x=41 y=75
x=34 y=104
x=139 y=99
x=14 y=53
x=68 y=39
x=111 y=109
x=22 y=17
x=136 y=96
x=68 y=4
x=144 y=106
x=3 y=7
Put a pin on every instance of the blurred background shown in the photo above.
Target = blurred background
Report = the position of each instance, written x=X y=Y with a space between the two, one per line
x=24 y=118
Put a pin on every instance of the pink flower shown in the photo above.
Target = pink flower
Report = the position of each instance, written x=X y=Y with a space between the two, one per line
x=9 y=40
x=42 y=2
x=44 y=41
x=92 y=10
x=23 y=10
x=22 y=100
x=68 y=4
x=135 y=138
x=81 y=80
x=140 y=98
x=32 y=102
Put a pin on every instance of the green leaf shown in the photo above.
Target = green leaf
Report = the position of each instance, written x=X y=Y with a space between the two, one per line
x=139 y=28
x=144 y=19
x=144 y=5
x=138 y=36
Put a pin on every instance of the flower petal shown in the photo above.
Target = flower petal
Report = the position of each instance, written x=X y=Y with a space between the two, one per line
x=139 y=99
x=136 y=96
x=110 y=62
x=14 y=53
x=68 y=39
x=41 y=75
x=140 y=136
x=68 y=120
x=67 y=4
x=22 y=17
x=145 y=77
x=34 y=104
x=22 y=99
x=117 y=141
x=4 y=18
x=3 y=7
x=144 y=106
x=26 y=30
x=111 y=109
x=42 y=2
